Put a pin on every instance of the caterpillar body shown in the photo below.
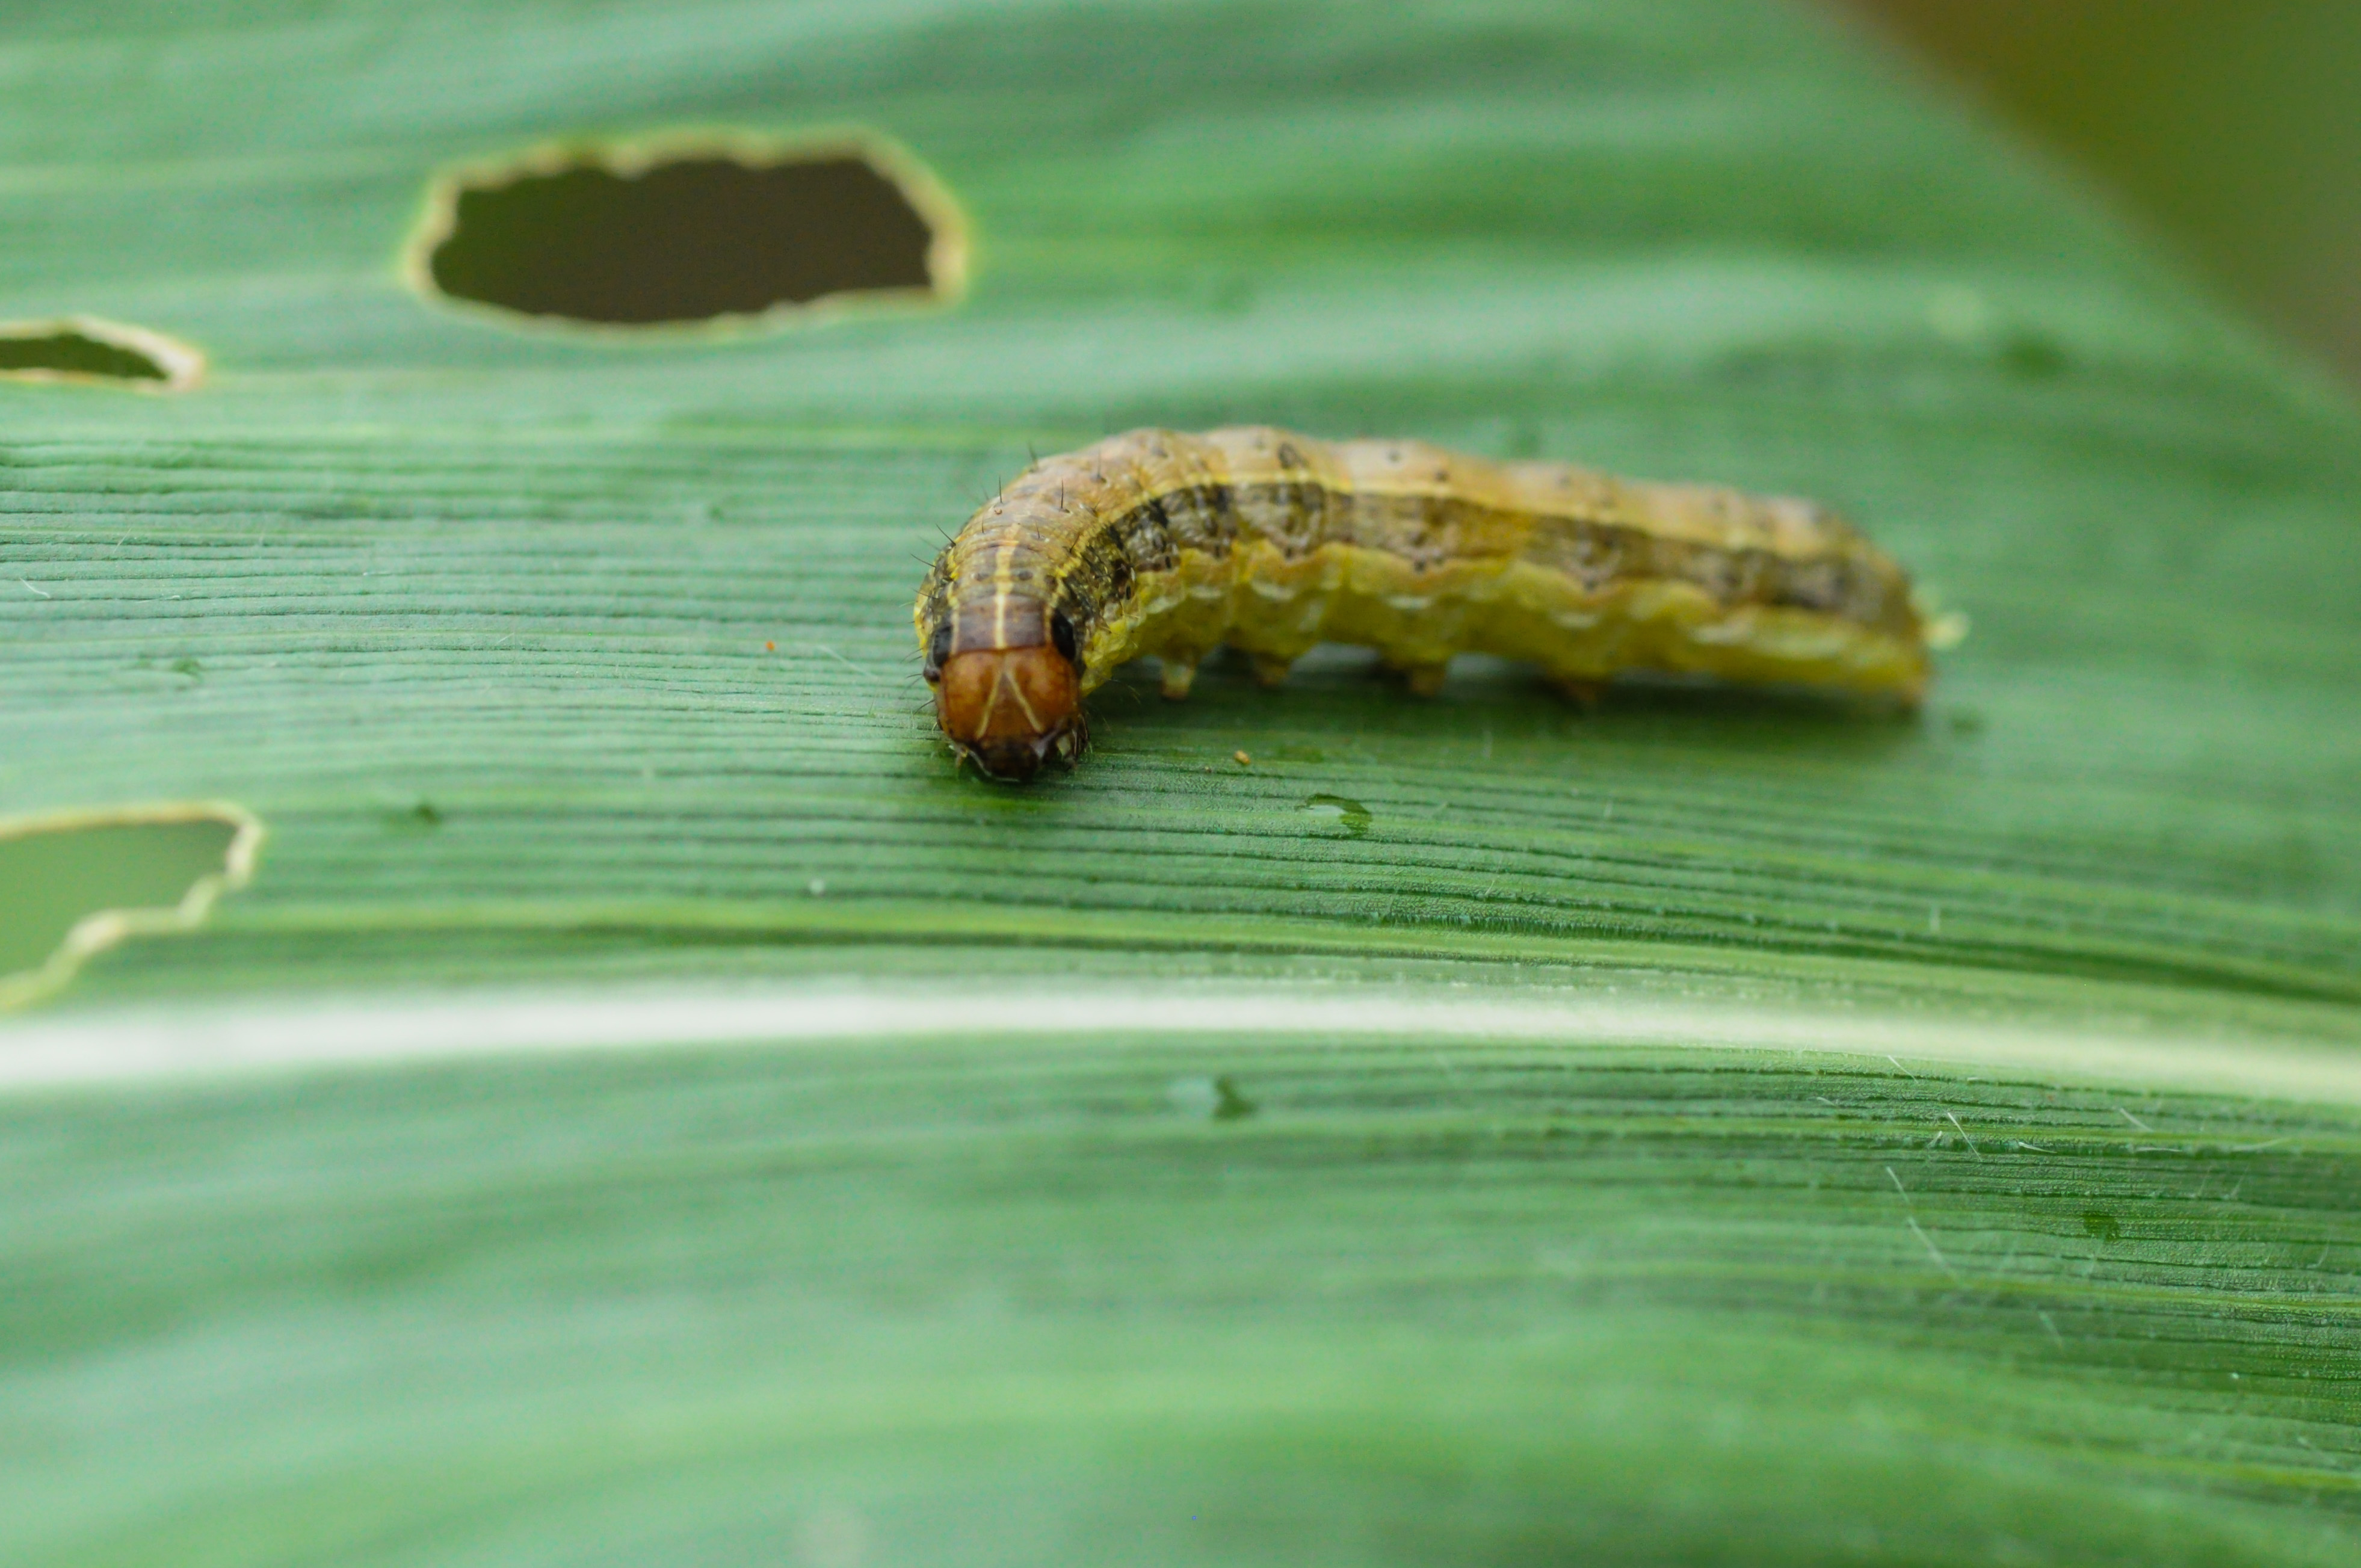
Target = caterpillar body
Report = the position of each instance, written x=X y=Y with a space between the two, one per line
x=1156 y=542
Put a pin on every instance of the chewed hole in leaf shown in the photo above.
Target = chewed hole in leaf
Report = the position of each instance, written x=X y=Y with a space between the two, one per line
x=643 y=237
x=79 y=349
x=76 y=884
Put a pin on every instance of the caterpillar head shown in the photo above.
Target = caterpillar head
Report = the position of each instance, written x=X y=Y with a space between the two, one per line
x=1014 y=702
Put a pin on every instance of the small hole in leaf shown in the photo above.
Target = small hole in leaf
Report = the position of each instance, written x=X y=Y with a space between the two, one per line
x=81 y=349
x=641 y=237
x=76 y=884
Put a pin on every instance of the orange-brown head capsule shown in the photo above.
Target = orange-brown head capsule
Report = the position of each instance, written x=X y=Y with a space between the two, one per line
x=1007 y=708
x=1011 y=709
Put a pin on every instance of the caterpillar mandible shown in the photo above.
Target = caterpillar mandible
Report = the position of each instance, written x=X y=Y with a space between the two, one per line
x=1158 y=542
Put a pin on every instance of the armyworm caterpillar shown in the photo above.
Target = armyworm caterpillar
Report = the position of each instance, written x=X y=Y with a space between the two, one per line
x=1159 y=543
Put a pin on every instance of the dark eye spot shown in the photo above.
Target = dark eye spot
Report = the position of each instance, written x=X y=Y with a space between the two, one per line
x=1061 y=633
x=938 y=651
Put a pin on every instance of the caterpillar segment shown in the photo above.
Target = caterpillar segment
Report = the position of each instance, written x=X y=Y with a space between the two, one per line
x=1170 y=546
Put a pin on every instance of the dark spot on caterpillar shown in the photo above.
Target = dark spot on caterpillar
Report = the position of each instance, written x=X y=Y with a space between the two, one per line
x=1289 y=457
x=938 y=650
x=1201 y=518
x=1813 y=585
x=1590 y=554
x=1103 y=573
x=1743 y=574
x=1061 y=637
x=1721 y=573
x=1292 y=514
x=1148 y=539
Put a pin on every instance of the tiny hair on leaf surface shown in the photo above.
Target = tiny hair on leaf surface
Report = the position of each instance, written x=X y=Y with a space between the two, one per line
x=655 y=1106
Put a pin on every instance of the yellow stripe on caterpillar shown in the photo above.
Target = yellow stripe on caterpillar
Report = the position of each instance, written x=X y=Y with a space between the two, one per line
x=1155 y=542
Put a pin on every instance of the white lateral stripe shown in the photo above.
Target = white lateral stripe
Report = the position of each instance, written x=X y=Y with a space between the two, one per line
x=130 y=1046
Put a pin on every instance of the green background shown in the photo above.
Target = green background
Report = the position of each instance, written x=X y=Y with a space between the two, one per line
x=475 y=620
x=2226 y=128
x=56 y=876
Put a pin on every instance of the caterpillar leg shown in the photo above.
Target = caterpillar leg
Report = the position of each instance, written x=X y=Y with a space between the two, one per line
x=1180 y=674
x=1423 y=680
x=1269 y=670
x=1583 y=693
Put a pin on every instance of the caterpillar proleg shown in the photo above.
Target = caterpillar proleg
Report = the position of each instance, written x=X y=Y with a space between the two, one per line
x=1156 y=542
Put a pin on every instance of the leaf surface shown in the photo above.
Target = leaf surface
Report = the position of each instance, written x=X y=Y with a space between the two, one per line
x=1945 y=1149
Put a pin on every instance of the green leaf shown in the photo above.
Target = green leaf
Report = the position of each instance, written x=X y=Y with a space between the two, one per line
x=1715 y=1128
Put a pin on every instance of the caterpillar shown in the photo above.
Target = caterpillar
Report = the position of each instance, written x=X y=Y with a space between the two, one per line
x=1156 y=542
